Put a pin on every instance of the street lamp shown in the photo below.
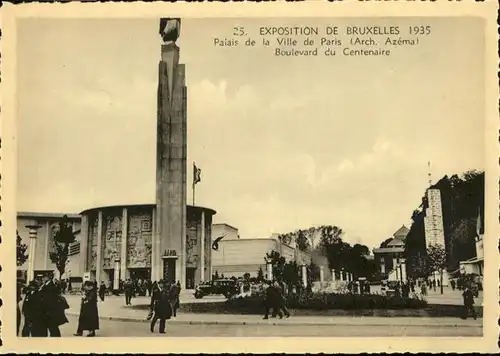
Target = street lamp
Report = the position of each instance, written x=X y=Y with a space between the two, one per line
x=33 y=232
x=116 y=273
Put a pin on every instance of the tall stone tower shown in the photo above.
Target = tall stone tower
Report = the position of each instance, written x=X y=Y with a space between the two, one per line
x=169 y=247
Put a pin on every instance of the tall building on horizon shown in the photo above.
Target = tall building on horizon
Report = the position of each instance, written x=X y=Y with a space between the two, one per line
x=433 y=221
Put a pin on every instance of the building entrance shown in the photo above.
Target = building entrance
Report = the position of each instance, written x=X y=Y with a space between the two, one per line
x=169 y=270
x=190 y=277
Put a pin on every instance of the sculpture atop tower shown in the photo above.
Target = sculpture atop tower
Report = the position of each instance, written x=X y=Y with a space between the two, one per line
x=169 y=245
x=170 y=29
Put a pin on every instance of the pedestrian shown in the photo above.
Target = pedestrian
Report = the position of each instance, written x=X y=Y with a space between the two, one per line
x=150 y=287
x=468 y=296
x=102 y=291
x=453 y=284
x=53 y=306
x=18 y=310
x=434 y=285
x=127 y=286
x=272 y=302
x=89 y=313
x=160 y=306
x=31 y=312
x=174 y=292
x=281 y=302
x=423 y=288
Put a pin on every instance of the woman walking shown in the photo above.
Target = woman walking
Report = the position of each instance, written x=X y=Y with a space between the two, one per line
x=89 y=316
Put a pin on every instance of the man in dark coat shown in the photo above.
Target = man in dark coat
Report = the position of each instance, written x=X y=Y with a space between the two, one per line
x=174 y=293
x=18 y=311
x=102 y=291
x=161 y=306
x=31 y=312
x=272 y=301
x=128 y=286
x=468 y=296
x=89 y=314
x=280 y=302
x=52 y=307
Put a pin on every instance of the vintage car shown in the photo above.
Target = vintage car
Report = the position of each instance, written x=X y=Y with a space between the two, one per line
x=226 y=287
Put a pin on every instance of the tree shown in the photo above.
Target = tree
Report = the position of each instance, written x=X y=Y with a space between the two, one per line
x=436 y=259
x=313 y=272
x=63 y=237
x=22 y=256
x=278 y=263
x=291 y=275
x=246 y=276
x=301 y=241
x=260 y=274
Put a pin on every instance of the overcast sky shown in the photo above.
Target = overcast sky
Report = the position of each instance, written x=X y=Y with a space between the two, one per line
x=283 y=143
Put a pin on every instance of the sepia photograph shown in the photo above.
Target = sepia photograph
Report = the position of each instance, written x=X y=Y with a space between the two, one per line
x=243 y=177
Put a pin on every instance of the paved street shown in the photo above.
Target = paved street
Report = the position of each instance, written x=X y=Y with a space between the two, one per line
x=111 y=328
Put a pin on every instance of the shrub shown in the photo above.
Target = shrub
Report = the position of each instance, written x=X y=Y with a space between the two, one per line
x=322 y=301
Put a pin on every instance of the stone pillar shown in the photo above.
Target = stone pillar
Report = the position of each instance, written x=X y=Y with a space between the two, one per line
x=33 y=231
x=269 y=271
x=304 y=275
x=116 y=275
x=398 y=277
x=122 y=271
x=321 y=274
x=394 y=263
x=98 y=263
x=156 y=261
x=202 y=245
x=84 y=246
x=334 y=278
x=341 y=275
x=382 y=265
x=171 y=151
x=46 y=259
x=403 y=270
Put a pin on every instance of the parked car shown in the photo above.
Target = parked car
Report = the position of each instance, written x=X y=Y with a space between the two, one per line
x=226 y=287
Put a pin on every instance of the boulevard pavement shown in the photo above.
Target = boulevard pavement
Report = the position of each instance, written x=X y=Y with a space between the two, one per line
x=113 y=308
x=110 y=328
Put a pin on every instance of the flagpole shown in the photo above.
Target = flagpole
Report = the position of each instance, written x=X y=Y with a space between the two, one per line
x=194 y=184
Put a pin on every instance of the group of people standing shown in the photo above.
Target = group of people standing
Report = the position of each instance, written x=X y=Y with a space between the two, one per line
x=43 y=308
x=275 y=300
x=164 y=303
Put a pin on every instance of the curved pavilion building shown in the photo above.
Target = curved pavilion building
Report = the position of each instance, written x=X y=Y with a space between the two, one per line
x=119 y=242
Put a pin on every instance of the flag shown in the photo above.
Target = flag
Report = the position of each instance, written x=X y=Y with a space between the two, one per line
x=196 y=174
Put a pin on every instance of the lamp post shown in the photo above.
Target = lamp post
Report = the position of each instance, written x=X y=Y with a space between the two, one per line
x=116 y=273
x=33 y=232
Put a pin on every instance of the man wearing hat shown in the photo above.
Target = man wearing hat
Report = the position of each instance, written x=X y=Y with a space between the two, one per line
x=160 y=304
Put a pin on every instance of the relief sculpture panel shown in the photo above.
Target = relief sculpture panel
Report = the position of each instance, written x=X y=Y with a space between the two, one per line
x=93 y=226
x=192 y=241
x=139 y=239
x=112 y=240
x=208 y=240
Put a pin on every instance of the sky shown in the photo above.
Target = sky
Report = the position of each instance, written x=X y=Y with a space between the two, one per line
x=283 y=142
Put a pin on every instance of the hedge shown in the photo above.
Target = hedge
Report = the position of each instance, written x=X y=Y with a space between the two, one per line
x=322 y=301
